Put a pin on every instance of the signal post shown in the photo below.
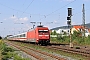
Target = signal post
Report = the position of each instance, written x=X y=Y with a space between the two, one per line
x=69 y=25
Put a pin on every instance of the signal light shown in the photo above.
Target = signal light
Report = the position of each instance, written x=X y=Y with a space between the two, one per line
x=69 y=22
x=68 y=18
x=69 y=11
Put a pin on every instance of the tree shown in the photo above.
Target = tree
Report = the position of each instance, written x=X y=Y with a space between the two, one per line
x=77 y=34
x=0 y=37
x=53 y=33
x=77 y=37
x=64 y=33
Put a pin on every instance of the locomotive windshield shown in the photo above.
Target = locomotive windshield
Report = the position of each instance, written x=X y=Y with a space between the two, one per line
x=43 y=31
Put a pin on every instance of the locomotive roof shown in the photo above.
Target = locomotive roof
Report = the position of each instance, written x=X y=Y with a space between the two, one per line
x=37 y=28
x=29 y=30
x=41 y=27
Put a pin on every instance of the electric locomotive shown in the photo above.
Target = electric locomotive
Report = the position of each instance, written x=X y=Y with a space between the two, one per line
x=39 y=35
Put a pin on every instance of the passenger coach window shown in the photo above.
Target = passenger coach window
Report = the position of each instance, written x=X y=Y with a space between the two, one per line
x=23 y=35
x=20 y=35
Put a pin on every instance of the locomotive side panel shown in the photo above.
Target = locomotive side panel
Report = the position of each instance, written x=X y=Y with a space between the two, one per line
x=31 y=36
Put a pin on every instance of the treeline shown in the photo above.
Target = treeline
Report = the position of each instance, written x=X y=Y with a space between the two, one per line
x=77 y=38
x=0 y=37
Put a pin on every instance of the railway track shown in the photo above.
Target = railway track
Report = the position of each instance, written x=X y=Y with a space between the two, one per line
x=36 y=53
x=57 y=44
x=83 y=52
x=66 y=48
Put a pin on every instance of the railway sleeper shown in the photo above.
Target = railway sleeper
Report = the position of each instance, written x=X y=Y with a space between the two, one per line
x=87 y=55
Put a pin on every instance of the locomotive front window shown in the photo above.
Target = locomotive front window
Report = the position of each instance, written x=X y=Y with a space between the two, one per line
x=43 y=31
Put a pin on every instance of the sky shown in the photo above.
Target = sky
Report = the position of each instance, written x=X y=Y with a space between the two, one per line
x=16 y=15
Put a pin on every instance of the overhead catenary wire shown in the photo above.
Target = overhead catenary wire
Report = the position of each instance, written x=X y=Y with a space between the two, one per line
x=59 y=9
x=27 y=7
x=44 y=16
x=34 y=14
x=38 y=14
x=16 y=9
x=10 y=7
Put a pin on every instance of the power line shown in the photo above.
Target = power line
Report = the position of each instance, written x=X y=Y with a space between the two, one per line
x=27 y=7
x=10 y=7
x=59 y=8
x=16 y=9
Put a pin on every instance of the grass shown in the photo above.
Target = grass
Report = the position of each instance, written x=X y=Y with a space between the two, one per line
x=0 y=55
x=75 y=56
x=14 y=56
x=7 y=53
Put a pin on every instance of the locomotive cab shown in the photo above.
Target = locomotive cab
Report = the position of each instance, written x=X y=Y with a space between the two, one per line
x=43 y=35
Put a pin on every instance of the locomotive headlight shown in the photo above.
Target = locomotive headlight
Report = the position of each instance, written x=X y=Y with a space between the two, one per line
x=40 y=35
x=46 y=35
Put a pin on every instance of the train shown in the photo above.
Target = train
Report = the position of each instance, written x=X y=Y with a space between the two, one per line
x=39 y=35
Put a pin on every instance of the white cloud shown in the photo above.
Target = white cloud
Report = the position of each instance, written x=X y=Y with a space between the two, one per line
x=23 y=19
x=28 y=26
x=55 y=21
x=16 y=19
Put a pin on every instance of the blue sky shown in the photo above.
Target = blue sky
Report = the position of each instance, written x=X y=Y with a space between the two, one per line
x=15 y=12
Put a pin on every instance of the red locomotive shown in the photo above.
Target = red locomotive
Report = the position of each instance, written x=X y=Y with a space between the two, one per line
x=39 y=35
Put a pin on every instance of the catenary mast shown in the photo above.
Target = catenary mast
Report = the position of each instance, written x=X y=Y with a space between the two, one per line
x=83 y=21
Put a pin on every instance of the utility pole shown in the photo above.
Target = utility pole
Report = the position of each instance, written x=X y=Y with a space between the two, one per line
x=83 y=11
x=39 y=23
x=69 y=25
x=33 y=23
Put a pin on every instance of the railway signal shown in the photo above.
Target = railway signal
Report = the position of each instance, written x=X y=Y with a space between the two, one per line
x=69 y=16
x=69 y=24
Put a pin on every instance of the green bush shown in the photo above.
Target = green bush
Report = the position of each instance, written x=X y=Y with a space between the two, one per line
x=8 y=53
x=76 y=38
x=7 y=49
x=4 y=53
